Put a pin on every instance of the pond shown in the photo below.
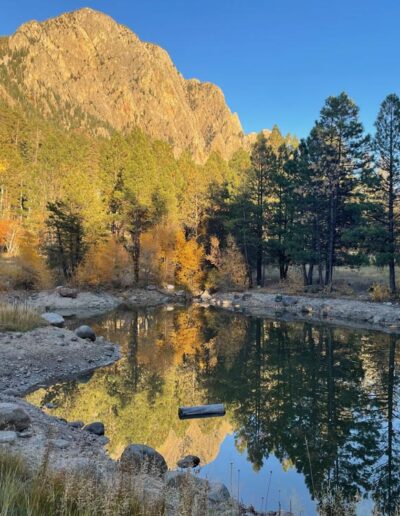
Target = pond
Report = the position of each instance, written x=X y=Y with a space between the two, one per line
x=311 y=409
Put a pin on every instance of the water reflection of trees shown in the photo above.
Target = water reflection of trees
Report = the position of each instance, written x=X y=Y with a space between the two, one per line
x=320 y=398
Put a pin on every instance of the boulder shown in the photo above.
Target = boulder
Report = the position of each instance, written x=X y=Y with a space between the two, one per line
x=13 y=417
x=54 y=319
x=190 y=461
x=182 y=480
x=96 y=428
x=151 y=287
x=7 y=436
x=141 y=458
x=218 y=493
x=86 y=332
x=67 y=292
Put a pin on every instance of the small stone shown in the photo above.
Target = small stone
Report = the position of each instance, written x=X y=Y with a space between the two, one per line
x=61 y=444
x=190 y=461
x=85 y=332
x=7 y=437
x=54 y=319
x=278 y=298
x=50 y=405
x=25 y=433
x=13 y=417
x=76 y=424
x=96 y=428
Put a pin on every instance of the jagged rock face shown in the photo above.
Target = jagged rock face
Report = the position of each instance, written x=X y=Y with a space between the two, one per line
x=86 y=70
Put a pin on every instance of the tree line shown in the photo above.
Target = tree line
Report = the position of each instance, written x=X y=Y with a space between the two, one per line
x=92 y=204
x=332 y=199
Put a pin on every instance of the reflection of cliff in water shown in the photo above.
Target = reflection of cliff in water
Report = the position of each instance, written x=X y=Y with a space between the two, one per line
x=323 y=400
x=138 y=397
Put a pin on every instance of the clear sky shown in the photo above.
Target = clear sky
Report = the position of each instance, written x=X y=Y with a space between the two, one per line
x=275 y=60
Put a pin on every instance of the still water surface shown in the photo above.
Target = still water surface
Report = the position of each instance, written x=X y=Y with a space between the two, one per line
x=309 y=407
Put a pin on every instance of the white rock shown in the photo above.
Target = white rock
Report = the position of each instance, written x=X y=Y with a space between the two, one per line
x=54 y=319
x=7 y=437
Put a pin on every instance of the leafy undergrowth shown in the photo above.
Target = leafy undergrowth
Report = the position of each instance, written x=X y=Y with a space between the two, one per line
x=18 y=317
x=50 y=494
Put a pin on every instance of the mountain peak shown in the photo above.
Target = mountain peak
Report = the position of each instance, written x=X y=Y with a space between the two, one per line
x=98 y=75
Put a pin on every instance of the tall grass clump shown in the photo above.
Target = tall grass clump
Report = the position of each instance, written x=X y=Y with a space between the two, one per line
x=48 y=493
x=18 y=317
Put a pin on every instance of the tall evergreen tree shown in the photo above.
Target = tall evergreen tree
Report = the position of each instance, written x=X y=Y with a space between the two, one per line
x=340 y=151
x=65 y=246
x=387 y=146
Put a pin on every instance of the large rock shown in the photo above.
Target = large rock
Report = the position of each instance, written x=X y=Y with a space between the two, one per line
x=184 y=480
x=54 y=319
x=96 y=428
x=7 y=436
x=218 y=493
x=13 y=417
x=85 y=332
x=141 y=458
x=67 y=292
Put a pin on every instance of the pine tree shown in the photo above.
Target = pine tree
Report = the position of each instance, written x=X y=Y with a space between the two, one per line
x=387 y=146
x=340 y=152
x=65 y=246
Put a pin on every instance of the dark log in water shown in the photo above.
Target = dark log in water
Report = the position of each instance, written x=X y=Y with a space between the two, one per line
x=215 y=410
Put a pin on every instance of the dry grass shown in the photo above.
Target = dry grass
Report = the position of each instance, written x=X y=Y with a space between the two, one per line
x=18 y=317
x=347 y=282
x=50 y=494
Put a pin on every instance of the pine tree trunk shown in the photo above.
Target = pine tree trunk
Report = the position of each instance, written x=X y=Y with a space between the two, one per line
x=392 y=271
x=259 y=264
x=331 y=240
x=135 y=235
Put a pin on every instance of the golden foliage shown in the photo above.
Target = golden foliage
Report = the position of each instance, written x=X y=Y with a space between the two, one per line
x=106 y=264
x=158 y=253
x=27 y=268
x=379 y=293
x=229 y=270
x=189 y=256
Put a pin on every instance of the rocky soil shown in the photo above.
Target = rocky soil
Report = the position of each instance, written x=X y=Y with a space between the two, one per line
x=345 y=312
x=48 y=355
x=89 y=304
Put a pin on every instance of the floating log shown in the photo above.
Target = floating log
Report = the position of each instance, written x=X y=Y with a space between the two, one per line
x=215 y=410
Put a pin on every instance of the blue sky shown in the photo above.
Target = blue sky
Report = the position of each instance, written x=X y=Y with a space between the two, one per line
x=275 y=60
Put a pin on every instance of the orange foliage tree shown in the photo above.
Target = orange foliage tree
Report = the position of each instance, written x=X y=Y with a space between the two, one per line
x=189 y=257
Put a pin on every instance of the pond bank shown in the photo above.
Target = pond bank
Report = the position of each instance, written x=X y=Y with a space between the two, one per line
x=48 y=355
x=383 y=317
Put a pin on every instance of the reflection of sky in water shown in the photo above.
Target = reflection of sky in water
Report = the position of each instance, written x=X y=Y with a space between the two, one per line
x=285 y=486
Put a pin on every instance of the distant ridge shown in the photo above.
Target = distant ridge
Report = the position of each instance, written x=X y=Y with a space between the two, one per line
x=86 y=71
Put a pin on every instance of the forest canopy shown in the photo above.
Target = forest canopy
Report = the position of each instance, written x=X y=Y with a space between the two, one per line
x=124 y=210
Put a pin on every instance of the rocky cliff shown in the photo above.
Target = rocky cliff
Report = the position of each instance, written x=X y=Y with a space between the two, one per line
x=86 y=71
